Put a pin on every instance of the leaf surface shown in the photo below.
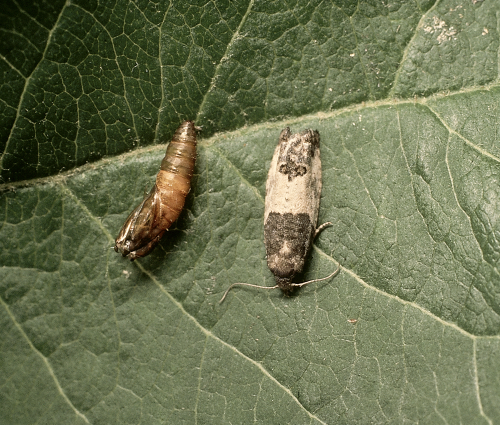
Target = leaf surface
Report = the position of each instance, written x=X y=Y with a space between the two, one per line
x=408 y=330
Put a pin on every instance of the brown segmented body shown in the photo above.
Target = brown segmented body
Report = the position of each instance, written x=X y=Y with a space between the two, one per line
x=146 y=225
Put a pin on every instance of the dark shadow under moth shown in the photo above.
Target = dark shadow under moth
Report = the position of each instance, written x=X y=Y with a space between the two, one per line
x=146 y=225
x=293 y=192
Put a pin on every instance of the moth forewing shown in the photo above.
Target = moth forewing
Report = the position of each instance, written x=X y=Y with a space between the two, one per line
x=146 y=225
x=293 y=192
x=288 y=189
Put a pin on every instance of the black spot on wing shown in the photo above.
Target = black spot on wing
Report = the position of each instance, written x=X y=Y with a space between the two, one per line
x=288 y=238
x=296 y=153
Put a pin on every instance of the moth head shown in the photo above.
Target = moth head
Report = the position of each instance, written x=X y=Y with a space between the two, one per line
x=285 y=284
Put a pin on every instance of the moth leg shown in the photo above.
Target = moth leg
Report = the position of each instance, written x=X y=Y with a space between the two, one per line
x=320 y=228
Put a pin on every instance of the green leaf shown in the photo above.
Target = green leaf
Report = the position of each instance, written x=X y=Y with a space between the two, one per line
x=409 y=329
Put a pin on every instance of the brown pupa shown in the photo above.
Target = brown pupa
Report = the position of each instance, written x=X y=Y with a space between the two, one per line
x=146 y=225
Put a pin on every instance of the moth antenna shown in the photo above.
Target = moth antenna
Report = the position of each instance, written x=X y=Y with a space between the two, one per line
x=246 y=284
x=298 y=285
x=320 y=228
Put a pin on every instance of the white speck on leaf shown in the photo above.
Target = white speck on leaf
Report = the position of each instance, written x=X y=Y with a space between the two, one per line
x=444 y=32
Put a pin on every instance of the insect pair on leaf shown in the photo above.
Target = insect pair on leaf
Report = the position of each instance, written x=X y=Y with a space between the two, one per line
x=293 y=192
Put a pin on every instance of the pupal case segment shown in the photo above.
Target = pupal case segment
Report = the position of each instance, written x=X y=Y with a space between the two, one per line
x=146 y=225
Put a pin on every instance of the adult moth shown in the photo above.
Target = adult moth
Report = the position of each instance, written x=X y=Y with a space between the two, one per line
x=293 y=192
x=146 y=225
